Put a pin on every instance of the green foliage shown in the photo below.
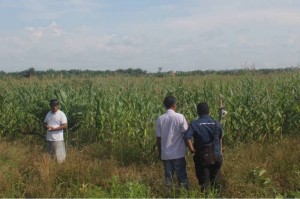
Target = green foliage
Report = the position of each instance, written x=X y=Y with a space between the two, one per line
x=258 y=176
x=128 y=189
x=110 y=108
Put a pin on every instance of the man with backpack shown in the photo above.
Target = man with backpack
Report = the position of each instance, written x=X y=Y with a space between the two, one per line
x=207 y=136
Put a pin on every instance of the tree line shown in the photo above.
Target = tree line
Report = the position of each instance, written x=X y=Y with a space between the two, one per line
x=30 y=72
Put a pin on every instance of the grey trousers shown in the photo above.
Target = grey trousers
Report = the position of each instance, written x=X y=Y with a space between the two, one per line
x=57 y=149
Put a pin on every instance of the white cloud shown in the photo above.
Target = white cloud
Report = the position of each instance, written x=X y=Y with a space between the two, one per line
x=51 y=30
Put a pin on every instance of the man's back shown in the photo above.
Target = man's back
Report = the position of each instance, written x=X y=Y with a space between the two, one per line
x=203 y=130
x=170 y=127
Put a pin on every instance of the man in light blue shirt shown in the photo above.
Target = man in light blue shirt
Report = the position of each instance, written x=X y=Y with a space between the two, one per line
x=171 y=146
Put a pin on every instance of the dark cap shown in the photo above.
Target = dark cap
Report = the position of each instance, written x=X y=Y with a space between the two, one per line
x=54 y=102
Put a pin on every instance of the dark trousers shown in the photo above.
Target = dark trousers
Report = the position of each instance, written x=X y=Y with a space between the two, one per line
x=179 y=167
x=208 y=175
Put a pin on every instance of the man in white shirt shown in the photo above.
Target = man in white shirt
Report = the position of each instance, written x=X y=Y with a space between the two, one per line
x=171 y=146
x=55 y=122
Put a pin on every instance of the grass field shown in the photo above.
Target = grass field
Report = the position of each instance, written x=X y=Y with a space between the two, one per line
x=111 y=138
x=250 y=170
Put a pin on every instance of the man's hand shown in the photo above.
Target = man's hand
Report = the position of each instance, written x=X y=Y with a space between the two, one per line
x=192 y=150
x=159 y=155
x=49 y=128
x=190 y=146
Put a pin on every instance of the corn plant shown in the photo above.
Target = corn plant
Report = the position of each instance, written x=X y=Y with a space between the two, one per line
x=122 y=110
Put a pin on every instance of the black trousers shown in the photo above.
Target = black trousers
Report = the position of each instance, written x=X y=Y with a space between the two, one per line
x=208 y=175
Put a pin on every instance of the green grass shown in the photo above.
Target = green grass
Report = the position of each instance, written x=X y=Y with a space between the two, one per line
x=249 y=170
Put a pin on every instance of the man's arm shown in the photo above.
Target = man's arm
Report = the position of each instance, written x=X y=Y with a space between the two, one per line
x=158 y=142
x=46 y=126
x=158 y=137
x=184 y=125
x=63 y=126
x=190 y=145
x=188 y=136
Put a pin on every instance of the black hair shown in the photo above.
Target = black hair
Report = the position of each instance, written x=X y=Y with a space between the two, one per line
x=169 y=101
x=202 y=109
x=54 y=102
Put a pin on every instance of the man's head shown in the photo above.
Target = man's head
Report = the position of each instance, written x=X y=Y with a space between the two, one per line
x=202 y=109
x=170 y=102
x=54 y=104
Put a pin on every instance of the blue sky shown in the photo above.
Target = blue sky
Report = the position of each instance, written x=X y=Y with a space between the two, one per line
x=175 y=35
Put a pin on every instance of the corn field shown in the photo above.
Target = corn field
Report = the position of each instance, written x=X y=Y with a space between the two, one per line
x=123 y=109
